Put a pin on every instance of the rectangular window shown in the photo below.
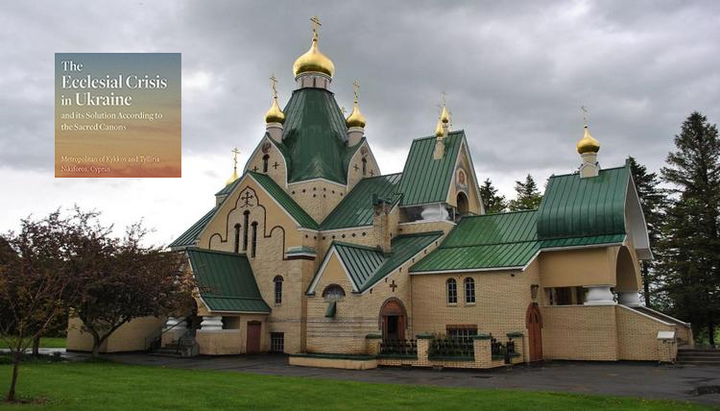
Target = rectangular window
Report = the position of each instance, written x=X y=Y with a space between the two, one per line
x=463 y=332
x=565 y=296
x=246 y=221
x=277 y=342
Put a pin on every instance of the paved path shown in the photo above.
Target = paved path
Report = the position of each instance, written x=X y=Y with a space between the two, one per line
x=622 y=378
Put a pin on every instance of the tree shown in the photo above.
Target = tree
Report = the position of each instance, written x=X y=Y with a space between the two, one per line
x=123 y=280
x=33 y=283
x=653 y=202
x=493 y=202
x=691 y=261
x=528 y=196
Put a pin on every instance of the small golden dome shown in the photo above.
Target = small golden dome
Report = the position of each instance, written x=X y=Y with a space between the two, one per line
x=588 y=144
x=313 y=61
x=274 y=114
x=439 y=129
x=232 y=178
x=356 y=118
x=445 y=115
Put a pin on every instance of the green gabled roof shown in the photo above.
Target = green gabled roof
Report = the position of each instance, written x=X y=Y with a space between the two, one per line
x=284 y=200
x=226 y=281
x=584 y=207
x=356 y=209
x=366 y=266
x=314 y=137
x=484 y=242
x=190 y=235
x=426 y=180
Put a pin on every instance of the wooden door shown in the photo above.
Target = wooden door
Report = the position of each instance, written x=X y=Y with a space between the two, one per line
x=533 y=323
x=253 y=337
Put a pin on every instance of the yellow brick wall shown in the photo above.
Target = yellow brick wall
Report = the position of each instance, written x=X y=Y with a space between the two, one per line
x=255 y=162
x=136 y=335
x=502 y=299
x=317 y=197
x=354 y=176
x=577 y=332
x=637 y=335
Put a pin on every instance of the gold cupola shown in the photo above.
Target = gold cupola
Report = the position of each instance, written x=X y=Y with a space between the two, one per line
x=439 y=128
x=588 y=144
x=274 y=114
x=445 y=115
x=356 y=118
x=314 y=60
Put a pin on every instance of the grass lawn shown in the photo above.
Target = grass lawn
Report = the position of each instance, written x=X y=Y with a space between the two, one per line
x=109 y=386
x=45 y=342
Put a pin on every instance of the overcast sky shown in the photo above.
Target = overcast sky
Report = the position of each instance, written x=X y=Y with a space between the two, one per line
x=515 y=74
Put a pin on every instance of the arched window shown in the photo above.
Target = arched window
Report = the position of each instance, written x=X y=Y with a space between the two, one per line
x=451 y=291
x=253 y=251
x=333 y=292
x=364 y=166
x=237 y=238
x=278 y=280
x=266 y=160
x=469 y=290
x=246 y=220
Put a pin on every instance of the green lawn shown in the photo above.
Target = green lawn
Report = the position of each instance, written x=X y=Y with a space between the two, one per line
x=109 y=386
x=46 y=342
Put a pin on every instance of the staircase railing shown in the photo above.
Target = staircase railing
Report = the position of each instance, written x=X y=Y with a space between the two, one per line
x=154 y=341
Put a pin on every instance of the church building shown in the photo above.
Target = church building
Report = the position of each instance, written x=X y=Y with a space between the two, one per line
x=312 y=251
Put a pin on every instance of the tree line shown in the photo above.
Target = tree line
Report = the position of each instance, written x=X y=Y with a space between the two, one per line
x=682 y=210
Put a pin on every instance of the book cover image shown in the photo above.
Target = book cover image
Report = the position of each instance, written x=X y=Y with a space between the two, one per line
x=117 y=115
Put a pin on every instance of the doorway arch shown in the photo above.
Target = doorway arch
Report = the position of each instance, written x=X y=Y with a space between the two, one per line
x=462 y=204
x=533 y=323
x=393 y=319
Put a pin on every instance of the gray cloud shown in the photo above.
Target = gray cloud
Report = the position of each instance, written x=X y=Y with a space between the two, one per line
x=515 y=73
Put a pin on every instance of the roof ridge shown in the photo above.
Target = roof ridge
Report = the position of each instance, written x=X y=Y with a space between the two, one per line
x=383 y=175
x=487 y=244
x=458 y=131
x=496 y=214
x=207 y=250
x=359 y=246
x=577 y=173
x=424 y=233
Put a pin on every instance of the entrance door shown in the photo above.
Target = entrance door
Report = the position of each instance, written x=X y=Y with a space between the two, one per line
x=253 y=337
x=533 y=322
x=392 y=317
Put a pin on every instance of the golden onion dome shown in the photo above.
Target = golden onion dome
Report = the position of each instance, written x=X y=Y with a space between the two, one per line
x=313 y=61
x=439 y=128
x=232 y=178
x=274 y=114
x=588 y=144
x=356 y=118
x=445 y=115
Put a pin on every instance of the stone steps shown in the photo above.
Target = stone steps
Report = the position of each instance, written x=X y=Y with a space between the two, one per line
x=698 y=357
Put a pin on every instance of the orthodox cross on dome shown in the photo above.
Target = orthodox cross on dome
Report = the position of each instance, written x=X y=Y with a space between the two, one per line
x=274 y=81
x=585 y=114
x=235 y=152
x=393 y=285
x=316 y=23
x=356 y=88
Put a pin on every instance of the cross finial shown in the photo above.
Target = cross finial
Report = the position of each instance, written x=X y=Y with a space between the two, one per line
x=235 y=152
x=585 y=112
x=443 y=97
x=356 y=88
x=316 y=23
x=274 y=85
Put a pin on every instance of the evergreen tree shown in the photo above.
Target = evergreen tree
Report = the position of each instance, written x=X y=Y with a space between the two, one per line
x=493 y=202
x=653 y=201
x=691 y=260
x=528 y=196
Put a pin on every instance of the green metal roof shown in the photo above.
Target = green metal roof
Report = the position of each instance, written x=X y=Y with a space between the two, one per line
x=226 y=281
x=284 y=200
x=190 y=235
x=356 y=209
x=367 y=265
x=584 y=207
x=314 y=137
x=426 y=180
x=499 y=241
x=483 y=242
